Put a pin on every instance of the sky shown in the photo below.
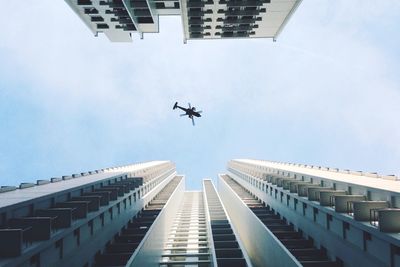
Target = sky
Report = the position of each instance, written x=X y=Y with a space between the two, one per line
x=326 y=93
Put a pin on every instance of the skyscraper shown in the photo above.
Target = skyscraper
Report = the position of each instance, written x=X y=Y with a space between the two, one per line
x=69 y=220
x=201 y=19
x=313 y=215
x=263 y=214
x=136 y=215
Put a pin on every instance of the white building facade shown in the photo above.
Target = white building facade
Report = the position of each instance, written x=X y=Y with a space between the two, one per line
x=135 y=215
x=316 y=216
x=201 y=19
x=263 y=214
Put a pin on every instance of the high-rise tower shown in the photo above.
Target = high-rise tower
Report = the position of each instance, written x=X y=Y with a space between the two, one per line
x=69 y=220
x=135 y=215
x=201 y=19
x=263 y=214
x=312 y=215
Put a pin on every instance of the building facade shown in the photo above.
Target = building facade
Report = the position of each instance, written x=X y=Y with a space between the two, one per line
x=263 y=214
x=312 y=215
x=135 y=215
x=201 y=19
x=70 y=220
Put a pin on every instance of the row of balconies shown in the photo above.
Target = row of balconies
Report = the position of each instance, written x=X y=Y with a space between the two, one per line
x=280 y=166
x=19 y=233
x=223 y=28
x=243 y=3
x=237 y=20
x=198 y=4
x=230 y=14
x=301 y=248
x=227 y=249
x=229 y=4
x=241 y=12
x=338 y=208
x=124 y=244
x=376 y=212
x=240 y=27
x=5 y=188
x=117 y=9
x=224 y=34
x=235 y=34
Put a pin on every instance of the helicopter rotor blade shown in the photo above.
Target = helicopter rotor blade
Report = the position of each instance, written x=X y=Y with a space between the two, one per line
x=200 y=111
x=192 y=121
x=189 y=105
x=183 y=115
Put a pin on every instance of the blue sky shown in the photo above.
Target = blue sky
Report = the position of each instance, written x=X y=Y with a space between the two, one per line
x=326 y=93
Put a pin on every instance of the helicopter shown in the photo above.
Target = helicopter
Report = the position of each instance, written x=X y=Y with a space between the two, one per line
x=190 y=111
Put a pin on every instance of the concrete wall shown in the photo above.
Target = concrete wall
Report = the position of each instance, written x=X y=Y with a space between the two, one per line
x=78 y=244
x=355 y=243
x=263 y=248
x=152 y=246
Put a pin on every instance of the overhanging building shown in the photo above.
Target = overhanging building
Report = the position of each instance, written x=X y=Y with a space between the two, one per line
x=263 y=214
x=201 y=19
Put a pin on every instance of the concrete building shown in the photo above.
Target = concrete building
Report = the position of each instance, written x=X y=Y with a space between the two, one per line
x=312 y=215
x=67 y=221
x=136 y=215
x=263 y=214
x=201 y=19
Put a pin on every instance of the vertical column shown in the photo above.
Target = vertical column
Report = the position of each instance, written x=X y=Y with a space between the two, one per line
x=187 y=242
x=228 y=250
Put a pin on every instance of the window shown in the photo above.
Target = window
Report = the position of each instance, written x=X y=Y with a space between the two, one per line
x=91 y=10
x=102 y=219
x=145 y=20
x=366 y=237
x=346 y=226
x=102 y=26
x=77 y=234
x=35 y=260
x=251 y=8
x=59 y=244
x=160 y=5
x=328 y=221
x=3 y=218
x=110 y=210
x=96 y=18
x=315 y=213
x=90 y=225
x=369 y=195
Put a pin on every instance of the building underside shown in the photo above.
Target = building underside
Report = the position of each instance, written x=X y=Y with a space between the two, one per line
x=201 y=19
